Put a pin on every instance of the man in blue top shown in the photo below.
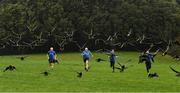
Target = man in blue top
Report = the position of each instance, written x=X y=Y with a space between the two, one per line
x=51 y=57
x=86 y=55
x=112 y=59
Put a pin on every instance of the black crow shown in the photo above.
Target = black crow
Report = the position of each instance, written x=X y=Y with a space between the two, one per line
x=176 y=57
x=56 y=61
x=177 y=72
x=22 y=57
x=122 y=67
x=152 y=75
x=79 y=74
x=99 y=60
x=10 y=67
x=45 y=73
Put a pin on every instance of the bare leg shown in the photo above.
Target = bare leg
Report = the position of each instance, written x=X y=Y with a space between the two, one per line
x=51 y=65
x=87 y=66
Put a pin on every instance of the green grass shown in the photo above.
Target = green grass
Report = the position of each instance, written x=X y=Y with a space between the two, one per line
x=100 y=77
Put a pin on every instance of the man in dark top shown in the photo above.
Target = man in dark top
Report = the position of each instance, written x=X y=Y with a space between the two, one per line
x=148 y=58
x=112 y=59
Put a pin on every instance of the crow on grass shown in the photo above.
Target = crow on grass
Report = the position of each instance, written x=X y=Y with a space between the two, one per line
x=22 y=57
x=122 y=67
x=79 y=74
x=45 y=73
x=152 y=75
x=10 y=68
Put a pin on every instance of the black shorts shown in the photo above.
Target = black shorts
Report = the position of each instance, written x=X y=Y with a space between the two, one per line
x=51 y=61
x=86 y=59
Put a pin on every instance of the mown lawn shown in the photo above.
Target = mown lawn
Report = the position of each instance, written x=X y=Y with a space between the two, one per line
x=100 y=78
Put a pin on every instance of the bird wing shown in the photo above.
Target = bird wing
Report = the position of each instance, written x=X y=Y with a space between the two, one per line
x=117 y=68
x=25 y=56
x=6 y=69
x=103 y=60
x=119 y=64
x=156 y=53
x=129 y=66
x=174 y=70
x=14 y=67
x=21 y=56
x=99 y=59
x=126 y=62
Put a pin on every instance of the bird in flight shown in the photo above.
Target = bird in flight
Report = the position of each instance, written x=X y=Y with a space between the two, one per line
x=177 y=72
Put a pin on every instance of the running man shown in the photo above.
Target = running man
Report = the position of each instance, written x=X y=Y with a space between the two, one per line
x=112 y=59
x=51 y=57
x=86 y=55
x=148 y=60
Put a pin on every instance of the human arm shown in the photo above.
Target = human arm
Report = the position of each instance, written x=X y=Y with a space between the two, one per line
x=91 y=53
x=55 y=56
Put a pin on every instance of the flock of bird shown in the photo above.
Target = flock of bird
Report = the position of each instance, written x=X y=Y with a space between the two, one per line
x=121 y=66
x=110 y=40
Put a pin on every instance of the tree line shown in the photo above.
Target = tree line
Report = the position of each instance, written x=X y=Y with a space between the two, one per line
x=97 y=24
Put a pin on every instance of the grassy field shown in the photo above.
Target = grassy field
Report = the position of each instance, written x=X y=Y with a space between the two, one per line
x=100 y=78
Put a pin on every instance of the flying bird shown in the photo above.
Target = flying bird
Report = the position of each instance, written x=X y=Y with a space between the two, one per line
x=177 y=72
x=176 y=57
x=103 y=50
x=122 y=45
x=129 y=33
x=100 y=60
x=90 y=35
x=122 y=67
x=142 y=39
x=10 y=67
x=166 y=51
